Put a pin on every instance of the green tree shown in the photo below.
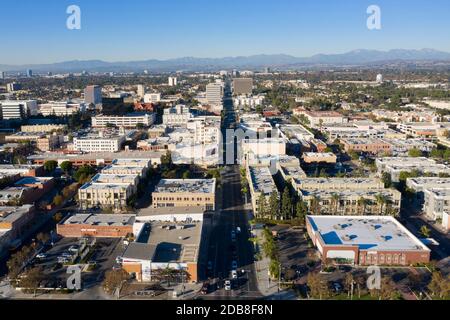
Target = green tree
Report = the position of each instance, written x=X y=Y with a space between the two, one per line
x=262 y=206
x=425 y=231
x=274 y=205
x=301 y=210
x=66 y=166
x=50 y=166
x=84 y=174
x=415 y=153
x=286 y=204
x=387 y=179
x=31 y=279
x=58 y=200
x=439 y=285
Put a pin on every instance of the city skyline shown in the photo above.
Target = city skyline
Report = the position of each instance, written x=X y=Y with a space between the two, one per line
x=141 y=30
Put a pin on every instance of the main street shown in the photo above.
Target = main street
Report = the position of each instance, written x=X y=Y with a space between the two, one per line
x=232 y=216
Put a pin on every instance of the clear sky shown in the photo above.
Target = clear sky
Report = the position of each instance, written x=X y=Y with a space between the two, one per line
x=34 y=31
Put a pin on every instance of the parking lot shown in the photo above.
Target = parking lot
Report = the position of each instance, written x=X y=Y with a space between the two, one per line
x=296 y=257
x=98 y=257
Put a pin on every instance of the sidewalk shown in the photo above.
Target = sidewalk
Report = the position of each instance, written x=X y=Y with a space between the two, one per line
x=268 y=287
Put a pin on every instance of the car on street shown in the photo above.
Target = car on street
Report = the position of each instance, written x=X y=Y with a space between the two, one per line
x=234 y=274
x=227 y=285
x=238 y=230
x=41 y=256
x=234 y=265
x=119 y=260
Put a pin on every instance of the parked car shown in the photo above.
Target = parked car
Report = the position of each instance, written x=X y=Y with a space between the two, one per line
x=337 y=287
x=234 y=274
x=238 y=230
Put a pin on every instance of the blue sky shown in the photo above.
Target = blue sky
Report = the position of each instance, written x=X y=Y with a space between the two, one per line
x=34 y=31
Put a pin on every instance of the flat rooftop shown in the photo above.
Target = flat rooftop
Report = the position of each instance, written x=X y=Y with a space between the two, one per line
x=33 y=180
x=154 y=156
x=175 y=242
x=11 y=214
x=186 y=186
x=262 y=180
x=101 y=219
x=150 y=211
x=375 y=233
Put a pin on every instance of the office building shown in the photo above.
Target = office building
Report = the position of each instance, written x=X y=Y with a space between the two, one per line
x=152 y=97
x=18 y=109
x=128 y=121
x=214 y=93
x=173 y=81
x=93 y=95
x=242 y=86
x=99 y=142
x=177 y=116
x=14 y=86
x=61 y=108
x=185 y=193
x=140 y=90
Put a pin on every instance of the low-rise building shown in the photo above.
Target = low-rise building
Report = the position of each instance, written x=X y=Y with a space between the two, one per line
x=368 y=145
x=61 y=109
x=101 y=142
x=43 y=128
x=169 y=245
x=318 y=119
x=395 y=165
x=97 y=225
x=128 y=121
x=365 y=240
x=324 y=157
x=185 y=193
x=114 y=195
x=353 y=202
x=13 y=221
x=260 y=182
x=50 y=142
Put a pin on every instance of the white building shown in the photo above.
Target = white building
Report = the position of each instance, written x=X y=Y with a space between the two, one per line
x=128 y=121
x=214 y=93
x=152 y=97
x=61 y=109
x=99 y=143
x=140 y=90
x=18 y=109
x=173 y=81
x=205 y=129
x=178 y=115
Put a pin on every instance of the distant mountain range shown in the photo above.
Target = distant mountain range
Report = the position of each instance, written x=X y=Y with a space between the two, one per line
x=280 y=61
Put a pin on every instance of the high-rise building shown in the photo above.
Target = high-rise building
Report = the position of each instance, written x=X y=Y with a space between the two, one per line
x=14 y=86
x=93 y=95
x=141 y=90
x=242 y=86
x=173 y=81
x=29 y=73
x=2 y=75
x=379 y=78
x=214 y=93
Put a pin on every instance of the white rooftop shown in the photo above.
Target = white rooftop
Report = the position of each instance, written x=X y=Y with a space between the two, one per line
x=372 y=233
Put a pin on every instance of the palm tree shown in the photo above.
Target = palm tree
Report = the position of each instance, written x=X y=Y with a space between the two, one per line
x=362 y=204
x=315 y=205
x=335 y=199
x=381 y=201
